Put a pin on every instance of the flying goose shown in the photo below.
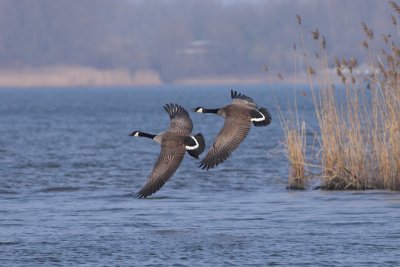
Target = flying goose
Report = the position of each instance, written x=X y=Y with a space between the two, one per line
x=174 y=143
x=238 y=118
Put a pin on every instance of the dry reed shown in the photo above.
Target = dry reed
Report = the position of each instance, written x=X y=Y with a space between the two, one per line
x=295 y=145
x=359 y=126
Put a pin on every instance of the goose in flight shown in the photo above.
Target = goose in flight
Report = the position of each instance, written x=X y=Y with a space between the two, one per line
x=238 y=119
x=174 y=143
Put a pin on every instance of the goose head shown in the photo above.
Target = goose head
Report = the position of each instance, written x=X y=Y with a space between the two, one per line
x=198 y=109
x=135 y=133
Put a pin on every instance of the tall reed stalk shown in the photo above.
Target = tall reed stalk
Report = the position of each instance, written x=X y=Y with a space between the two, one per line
x=294 y=129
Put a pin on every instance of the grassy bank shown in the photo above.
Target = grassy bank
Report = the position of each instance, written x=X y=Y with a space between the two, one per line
x=359 y=133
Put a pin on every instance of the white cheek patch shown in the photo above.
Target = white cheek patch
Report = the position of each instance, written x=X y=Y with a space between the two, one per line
x=200 y=110
x=259 y=119
x=193 y=147
x=136 y=134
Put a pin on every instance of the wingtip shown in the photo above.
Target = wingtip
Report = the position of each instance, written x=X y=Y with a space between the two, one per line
x=166 y=107
x=201 y=165
x=204 y=166
x=175 y=110
x=140 y=195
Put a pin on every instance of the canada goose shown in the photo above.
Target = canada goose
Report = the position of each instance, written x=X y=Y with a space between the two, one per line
x=238 y=118
x=174 y=142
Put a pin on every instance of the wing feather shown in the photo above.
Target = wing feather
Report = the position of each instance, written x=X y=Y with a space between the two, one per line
x=241 y=99
x=180 y=119
x=166 y=165
x=229 y=138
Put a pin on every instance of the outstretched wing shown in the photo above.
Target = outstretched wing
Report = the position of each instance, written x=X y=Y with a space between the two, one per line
x=240 y=99
x=166 y=165
x=180 y=119
x=229 y=138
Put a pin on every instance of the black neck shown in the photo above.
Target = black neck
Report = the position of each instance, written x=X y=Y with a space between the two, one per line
x=151 y=136
x=207 y=110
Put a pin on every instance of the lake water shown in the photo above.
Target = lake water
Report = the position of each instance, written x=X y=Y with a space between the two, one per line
x=69 y=173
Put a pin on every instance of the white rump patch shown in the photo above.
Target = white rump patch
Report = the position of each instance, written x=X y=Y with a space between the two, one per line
x=192 y=147
x=259 y=119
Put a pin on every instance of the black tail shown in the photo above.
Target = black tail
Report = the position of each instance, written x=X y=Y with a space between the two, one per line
x=262 y=117
x=195 y=145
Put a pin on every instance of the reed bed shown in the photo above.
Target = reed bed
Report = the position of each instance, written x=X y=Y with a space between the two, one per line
x=359 y=123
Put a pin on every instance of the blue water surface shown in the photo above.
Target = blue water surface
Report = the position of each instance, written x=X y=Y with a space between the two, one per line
x=69 y=173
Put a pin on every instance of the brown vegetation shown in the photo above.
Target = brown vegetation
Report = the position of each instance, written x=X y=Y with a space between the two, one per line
x=295 y=138
x=359 y=134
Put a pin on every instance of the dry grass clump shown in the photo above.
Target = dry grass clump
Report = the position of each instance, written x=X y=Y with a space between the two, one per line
x=359 y=126
x=295 y=144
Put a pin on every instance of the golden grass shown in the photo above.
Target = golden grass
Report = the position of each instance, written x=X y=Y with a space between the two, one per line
x=359 y=131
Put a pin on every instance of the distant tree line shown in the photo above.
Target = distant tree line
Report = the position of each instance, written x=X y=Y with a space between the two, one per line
x=175 y=38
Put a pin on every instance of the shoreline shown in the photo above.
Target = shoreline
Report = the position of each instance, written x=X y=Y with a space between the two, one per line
x=78 y=76
x=75 y=76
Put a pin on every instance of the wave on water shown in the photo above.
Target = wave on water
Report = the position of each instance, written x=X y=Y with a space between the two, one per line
x=58 y=189
x=7 y=192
